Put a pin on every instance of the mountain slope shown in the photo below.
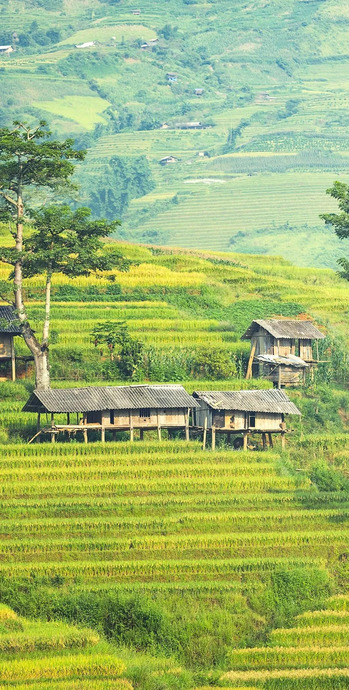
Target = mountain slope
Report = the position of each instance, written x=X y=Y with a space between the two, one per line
x=273 y=76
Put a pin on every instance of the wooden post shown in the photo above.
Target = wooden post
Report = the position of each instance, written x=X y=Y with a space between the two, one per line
x=131 y=430
x=317 y=350
x=77 y=418
x=270 y=440
x=283 y=440
x=159 y=433
x=250 y=361
x=53 y=435
x=204 y=436
x=264 y=440
x=141 y=434
x=114 y=436
x=68 y=417
x=85 y=435
x=38 y=422
x=279 y=376
x=103 y=434
x=13 y=360
x=245 y=440
x=187 y=426
x=213 y=437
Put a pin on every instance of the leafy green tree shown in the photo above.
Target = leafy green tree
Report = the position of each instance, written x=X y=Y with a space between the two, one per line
x=340 y=221
x=121 y=180
x=62 y=240
x=125 y=351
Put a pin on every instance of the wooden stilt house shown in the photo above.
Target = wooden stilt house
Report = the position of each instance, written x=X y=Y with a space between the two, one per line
x=242 y=413
x=9 y=329
x=282 y=350
x=112 y=408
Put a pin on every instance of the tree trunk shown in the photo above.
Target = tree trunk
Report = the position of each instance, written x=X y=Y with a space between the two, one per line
x=40 y=353
x=42 y=372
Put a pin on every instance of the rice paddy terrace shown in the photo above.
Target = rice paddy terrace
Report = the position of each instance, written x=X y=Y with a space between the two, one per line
x=168 y=520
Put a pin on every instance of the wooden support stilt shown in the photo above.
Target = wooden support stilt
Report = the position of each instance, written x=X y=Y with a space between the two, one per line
x=187 y=426
x=103 y=434
x=283 y=440
x=250 y=361
x=13 y=361
x=270 y=440
x=159 y=433
x=264 y=440
x=38 y=422
x=245 y=440
x=141 y=434
x=213 y=437
x=131 y=433
x=204 y=435
x=279 y=375
x=85 y=436
x=114 y=436
x=53 y=437
x=68 y=417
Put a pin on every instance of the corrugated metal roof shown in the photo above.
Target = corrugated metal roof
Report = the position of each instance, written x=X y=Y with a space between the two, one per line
x=93 y=399
x=274 y=400
x=9 y=321
x=284 y=328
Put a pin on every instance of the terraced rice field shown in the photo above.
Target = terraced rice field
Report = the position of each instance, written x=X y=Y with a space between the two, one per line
x=314 y=654
x=55 y=655
x=159 y=514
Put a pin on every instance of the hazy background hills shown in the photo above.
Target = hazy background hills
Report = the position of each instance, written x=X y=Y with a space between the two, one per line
x=274 y=106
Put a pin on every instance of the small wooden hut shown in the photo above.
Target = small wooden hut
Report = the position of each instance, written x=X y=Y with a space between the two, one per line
x=112 y=408
x=9 y=329
x=242 y=413
x=282 y=350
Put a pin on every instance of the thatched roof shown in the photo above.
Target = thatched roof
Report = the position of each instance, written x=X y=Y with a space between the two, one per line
x=98 y=398
x=9 y=321
x=284 y=328
x=274 y=401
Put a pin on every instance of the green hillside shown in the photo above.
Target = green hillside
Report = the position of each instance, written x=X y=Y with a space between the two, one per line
x=274 y=103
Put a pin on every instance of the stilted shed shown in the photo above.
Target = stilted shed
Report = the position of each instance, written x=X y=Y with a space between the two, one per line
x=282 y=350
x=241 y=413
x=9 y=329
x=112 y=408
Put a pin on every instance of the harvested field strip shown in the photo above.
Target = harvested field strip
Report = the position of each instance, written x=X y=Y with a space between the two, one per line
x=80 y=506
x=60 y=668
x=290 y=657
x=161 y=569
x=112 y=470
x=319 y=635
x=185 y=522
x=131 y=487
x=289 y=541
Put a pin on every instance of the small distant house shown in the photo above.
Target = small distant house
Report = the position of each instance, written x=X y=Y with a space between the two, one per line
x=6 y=50
x=113 y=408
x=199 y=92
x=144 y=46
x=192 y=125
x=9 y=329
x=282 y=349
x=136 y=12
x=165 y=125
x=242 y=413
x=88 y=44
x=153 y=41
x=168 y=159
x=171 y=76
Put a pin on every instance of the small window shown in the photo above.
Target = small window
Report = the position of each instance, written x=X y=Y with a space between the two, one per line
x=144 y=412
x=112 y=416
x=251 y=421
